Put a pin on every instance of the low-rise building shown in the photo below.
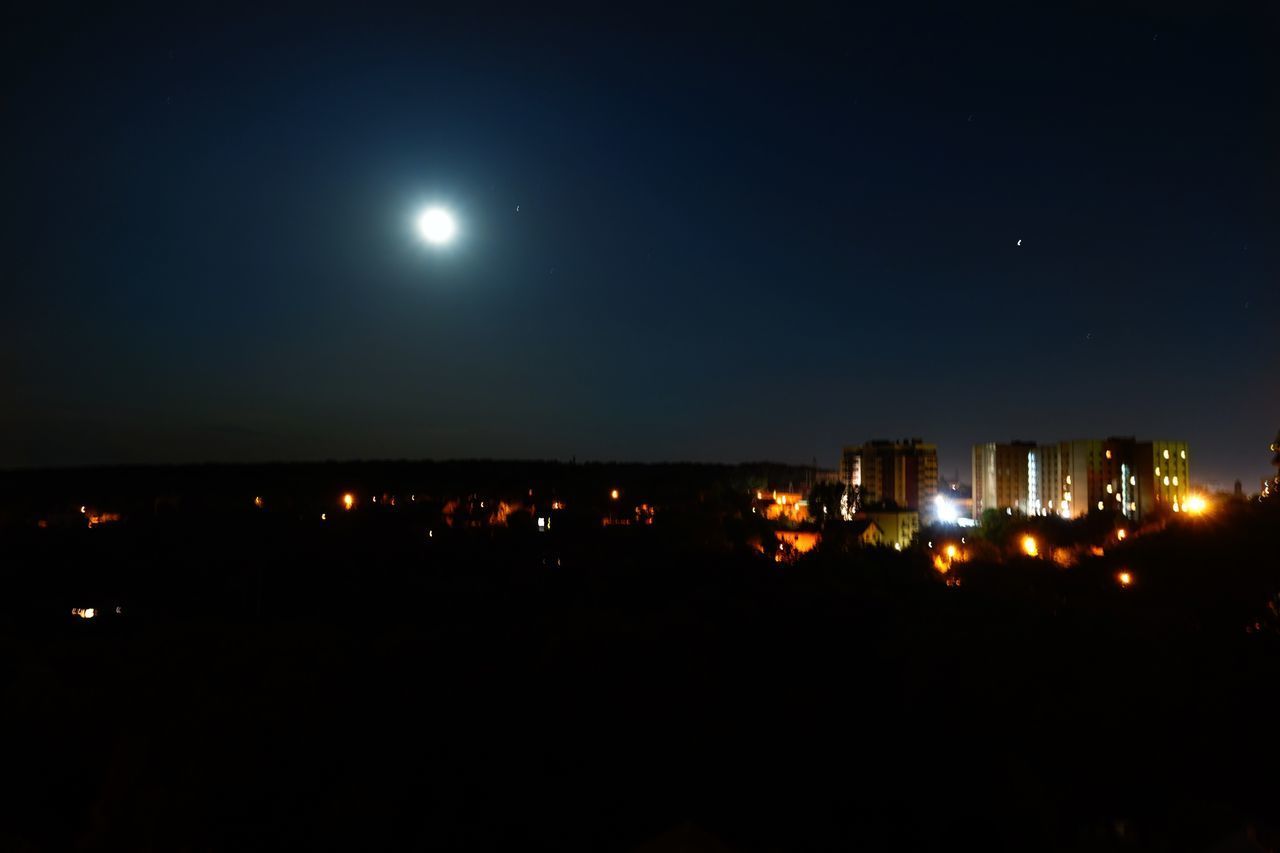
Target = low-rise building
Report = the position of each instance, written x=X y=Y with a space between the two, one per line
x=898 y=528
x=788 y=506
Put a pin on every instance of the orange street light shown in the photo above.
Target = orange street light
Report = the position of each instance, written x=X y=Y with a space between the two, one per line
x=1029 y=546
x=348 y=500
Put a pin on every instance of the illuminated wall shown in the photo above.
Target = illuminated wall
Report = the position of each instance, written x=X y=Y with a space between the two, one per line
x=1005 y=476
x=904 y=472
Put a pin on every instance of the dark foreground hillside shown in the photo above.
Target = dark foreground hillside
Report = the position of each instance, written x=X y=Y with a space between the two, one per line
x=360 y=686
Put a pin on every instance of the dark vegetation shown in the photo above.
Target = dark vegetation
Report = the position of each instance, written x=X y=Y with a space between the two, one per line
x=275 y=682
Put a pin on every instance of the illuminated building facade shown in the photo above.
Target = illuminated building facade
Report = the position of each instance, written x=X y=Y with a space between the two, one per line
x=1163 y=476
x=901 y=473
x=791 y=506
x=898 y=528
x=1005 y=476
x=1073 y=478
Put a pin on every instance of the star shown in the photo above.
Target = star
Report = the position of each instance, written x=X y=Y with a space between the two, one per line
x=1019 y=242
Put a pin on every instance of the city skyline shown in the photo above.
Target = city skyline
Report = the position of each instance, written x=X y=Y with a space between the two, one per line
x=716 y=427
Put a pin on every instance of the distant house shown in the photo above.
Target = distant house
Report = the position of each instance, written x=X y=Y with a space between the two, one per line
x=790 y=506
x=866 y=532
x=898 y=527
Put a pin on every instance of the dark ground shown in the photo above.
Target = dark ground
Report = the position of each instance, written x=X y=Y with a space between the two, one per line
x=276 y=683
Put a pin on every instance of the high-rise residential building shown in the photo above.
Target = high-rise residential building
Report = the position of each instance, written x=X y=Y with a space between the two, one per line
x=1074 y=478
x=1004 y=477
x=1163 y=476
x=899 y=473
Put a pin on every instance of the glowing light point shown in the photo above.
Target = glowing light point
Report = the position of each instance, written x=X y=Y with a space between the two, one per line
x=436 y=226
x=1029 y=546
x=945 y=510
x=1124 y=578
x=614 y=494
x=348 y=500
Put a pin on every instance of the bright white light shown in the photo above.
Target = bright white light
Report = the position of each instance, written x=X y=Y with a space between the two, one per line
x=436 y=226
x=946 y=511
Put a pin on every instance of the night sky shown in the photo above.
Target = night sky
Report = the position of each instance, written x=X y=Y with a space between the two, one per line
x=683 y=236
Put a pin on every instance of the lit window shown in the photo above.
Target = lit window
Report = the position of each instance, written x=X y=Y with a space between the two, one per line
x=1109 y=489
x=1182 y=454
x=1133 y=481
x=1108 y=454
x=1175 y=481
x=1099 y=504
x=1166 y=481
x=1166 y=454
x=1157 y=470
x=1068 y=479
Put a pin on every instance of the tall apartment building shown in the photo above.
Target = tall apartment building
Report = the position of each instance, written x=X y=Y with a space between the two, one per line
x=1004 y=477
x=904 y=473
x=1074 y=478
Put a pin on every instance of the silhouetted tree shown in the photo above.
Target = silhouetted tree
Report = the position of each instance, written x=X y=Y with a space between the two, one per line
x=824 y=502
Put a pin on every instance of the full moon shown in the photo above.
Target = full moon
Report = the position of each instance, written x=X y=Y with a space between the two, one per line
x=436 y=226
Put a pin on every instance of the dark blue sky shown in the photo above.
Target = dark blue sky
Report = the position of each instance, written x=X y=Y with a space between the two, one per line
x=737 y=238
